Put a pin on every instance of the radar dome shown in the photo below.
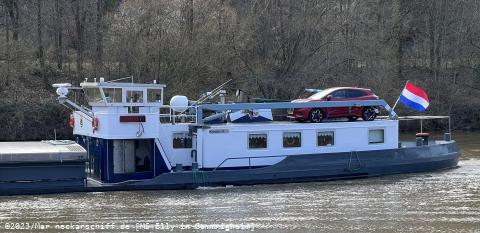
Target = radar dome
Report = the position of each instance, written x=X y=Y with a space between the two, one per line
x=179 y=103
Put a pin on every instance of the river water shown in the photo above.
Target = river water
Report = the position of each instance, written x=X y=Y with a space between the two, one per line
x=443 y=201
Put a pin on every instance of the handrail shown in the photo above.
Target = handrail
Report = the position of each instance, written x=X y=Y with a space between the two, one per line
x=285 y=105
x=172 y=117
x=249 y=159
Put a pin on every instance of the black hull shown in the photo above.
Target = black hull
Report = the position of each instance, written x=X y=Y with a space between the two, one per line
x=298 y=168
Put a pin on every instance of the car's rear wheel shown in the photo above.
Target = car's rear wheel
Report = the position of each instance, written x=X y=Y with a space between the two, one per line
x=369 y=113
x=316 y=115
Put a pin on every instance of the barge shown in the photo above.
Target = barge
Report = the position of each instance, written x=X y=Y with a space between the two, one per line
x=131 y=140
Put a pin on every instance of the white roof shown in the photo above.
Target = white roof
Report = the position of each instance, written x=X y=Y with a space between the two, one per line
x=117 y=84
x=43 y=151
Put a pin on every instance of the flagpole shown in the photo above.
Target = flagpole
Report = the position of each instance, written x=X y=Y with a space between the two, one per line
x=396 y=102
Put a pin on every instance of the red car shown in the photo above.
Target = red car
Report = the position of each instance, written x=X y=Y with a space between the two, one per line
x=317 y=115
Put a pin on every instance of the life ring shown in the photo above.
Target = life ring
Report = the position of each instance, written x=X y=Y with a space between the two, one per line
x=71 y=121
x=95 y=123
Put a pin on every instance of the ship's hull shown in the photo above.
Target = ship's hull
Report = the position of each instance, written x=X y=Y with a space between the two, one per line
x=321 y=167
x=296 y=168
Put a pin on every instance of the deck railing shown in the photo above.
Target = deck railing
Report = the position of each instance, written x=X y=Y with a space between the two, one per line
x=167 y=115
x=249 y=160
x=287 y=105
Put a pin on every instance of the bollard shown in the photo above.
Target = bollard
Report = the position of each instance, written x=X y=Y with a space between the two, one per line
x=424 y=136
x=447 y=137
x=419 y=141
x=179 y=167
x=194 y=166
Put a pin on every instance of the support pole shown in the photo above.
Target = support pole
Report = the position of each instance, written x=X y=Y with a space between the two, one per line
x=396 y=102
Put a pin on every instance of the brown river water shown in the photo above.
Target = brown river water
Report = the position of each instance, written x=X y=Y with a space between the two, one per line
x=442 y=201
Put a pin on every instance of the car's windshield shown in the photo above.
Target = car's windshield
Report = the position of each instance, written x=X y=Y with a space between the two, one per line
x=320 y=95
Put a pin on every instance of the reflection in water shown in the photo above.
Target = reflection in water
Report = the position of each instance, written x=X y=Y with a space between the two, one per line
x=446 y=201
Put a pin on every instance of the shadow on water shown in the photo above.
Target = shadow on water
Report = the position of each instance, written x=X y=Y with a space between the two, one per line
x=444 y=201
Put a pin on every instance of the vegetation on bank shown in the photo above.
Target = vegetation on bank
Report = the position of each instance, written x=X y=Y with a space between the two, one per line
x=270 y=48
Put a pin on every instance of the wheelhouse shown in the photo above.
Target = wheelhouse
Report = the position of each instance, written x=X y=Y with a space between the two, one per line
x=112 y=94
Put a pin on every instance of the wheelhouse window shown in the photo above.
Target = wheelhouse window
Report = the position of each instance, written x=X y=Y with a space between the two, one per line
x=93 y=95
x=154 y=95
x=376 y=136
x=181 y=140
x=135 y=96
x=292 y=139
x=113 y=95
x=257 y=141
x=326 y=138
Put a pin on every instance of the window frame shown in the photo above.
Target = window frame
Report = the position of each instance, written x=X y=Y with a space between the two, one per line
x=292 y=147
x=142 y=96
x=94 y=99
x=326 y=131
x=181 y=148
x=115 y=92
x=338 y=91
x=376 y=129
x=252 y=133
x=350 y=91
x=150 y=90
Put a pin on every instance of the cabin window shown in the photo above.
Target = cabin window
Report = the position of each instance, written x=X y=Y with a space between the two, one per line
x=326 y=138
x=135 y=96
x=154 y=95
x=292 y=139
x=181 y=140
x=93 y=95
x=257 y=141
x=376 y=136
x=113 y=95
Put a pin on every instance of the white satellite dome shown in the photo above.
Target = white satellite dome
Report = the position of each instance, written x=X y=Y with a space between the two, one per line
x=179 y=103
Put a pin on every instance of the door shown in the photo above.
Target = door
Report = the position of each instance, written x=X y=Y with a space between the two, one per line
x=339 y=95
x=355 y=95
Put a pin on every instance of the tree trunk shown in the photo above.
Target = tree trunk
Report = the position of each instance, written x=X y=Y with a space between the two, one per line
x=12 y=8
x=79 y=28
x=7 y=24
x=431 y=38
x=59 y=34
x=41 y=55
x=189 y=11
x=399 y=31
x=99 y=38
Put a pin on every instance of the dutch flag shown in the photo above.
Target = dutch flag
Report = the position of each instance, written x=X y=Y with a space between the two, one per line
x=414 y=97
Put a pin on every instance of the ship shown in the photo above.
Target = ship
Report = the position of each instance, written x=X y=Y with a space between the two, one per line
x=127 y=138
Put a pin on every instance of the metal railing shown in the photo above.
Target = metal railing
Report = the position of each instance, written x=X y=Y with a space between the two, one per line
x=249 y=159
x=172 y=117
x=287 y=105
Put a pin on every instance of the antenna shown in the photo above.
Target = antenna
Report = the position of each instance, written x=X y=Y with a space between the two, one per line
x=120 y=79
x=214 y=92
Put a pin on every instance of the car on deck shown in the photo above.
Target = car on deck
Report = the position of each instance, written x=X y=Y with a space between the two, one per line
x=317 y=115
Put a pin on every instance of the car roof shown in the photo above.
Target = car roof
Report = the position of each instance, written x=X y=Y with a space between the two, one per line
x=347 y=88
